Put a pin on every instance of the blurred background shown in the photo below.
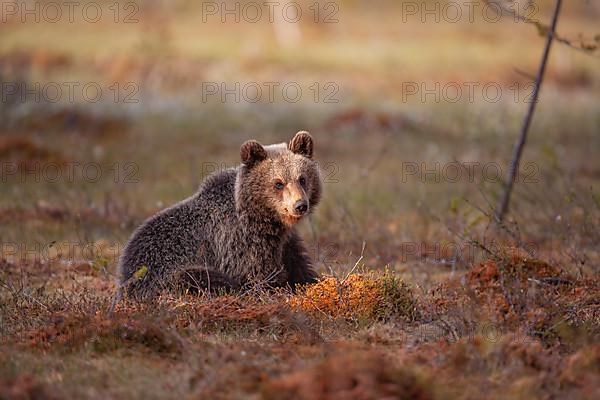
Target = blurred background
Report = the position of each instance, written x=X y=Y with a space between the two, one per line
x=112 y=111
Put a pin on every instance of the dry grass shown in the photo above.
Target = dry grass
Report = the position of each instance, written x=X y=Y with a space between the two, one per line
x=446 y=343
x=451 y=306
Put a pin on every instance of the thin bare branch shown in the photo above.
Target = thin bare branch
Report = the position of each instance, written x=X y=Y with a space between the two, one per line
x=518 y=151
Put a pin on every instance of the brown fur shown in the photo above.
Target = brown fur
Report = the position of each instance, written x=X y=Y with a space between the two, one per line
x=237 y=230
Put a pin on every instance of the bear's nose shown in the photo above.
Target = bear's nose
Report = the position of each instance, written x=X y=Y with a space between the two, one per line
x=301 y=206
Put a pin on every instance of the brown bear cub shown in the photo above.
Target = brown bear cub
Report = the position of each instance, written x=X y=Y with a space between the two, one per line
x=236 y=231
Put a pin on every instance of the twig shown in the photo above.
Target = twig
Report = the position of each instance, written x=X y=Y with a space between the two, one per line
x=14 y=293
x=518 y=151
x=544 y=29
x=357 y=262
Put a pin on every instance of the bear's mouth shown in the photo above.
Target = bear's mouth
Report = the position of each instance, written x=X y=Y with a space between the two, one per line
x=292 y=219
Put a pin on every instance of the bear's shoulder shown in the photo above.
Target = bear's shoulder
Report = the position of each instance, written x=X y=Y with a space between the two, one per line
x=219 y=181
x=217 y=190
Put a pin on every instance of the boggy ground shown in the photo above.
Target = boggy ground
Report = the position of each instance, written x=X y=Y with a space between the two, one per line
x=512 y=327
x=424 y=295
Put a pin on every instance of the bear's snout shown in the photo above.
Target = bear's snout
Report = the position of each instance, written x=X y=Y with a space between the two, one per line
x=301 y=207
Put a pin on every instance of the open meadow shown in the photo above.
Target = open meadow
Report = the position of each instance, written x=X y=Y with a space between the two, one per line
x=107 y=118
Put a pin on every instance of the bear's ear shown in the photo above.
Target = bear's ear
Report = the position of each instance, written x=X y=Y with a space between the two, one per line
x=252 y=153
x=302 y=143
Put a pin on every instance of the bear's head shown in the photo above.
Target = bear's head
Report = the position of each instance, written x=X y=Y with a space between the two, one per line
x=278 y=183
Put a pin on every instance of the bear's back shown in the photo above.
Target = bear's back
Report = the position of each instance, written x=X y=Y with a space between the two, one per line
x=185 y=233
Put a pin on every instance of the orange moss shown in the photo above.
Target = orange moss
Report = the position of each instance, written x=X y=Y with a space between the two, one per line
x=359 y=296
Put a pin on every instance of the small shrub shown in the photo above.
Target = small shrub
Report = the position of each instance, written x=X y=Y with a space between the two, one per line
x=360 y=297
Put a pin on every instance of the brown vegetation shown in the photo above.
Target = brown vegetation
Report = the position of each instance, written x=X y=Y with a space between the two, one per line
x=363 y=337
x=449 y=306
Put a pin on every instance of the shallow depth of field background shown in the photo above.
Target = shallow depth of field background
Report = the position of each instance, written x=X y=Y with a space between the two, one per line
x=414 y=114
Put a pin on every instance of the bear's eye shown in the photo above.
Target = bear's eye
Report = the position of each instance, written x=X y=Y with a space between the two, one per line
x=302 y=181
x=279 y=185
